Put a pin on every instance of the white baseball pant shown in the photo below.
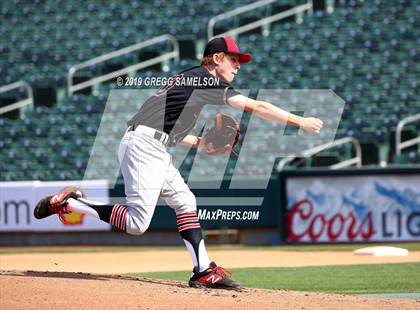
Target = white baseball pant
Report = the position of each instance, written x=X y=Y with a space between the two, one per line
x=148 y=173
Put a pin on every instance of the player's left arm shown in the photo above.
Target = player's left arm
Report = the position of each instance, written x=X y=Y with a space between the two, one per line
x=270 y=112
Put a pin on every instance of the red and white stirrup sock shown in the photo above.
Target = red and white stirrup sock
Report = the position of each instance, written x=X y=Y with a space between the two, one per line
x=77 y=206
x=187 y=220
x=115 y=215
x=190 y=231
x=119 y=216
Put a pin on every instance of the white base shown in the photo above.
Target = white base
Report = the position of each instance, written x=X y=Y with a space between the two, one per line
x=382 y=251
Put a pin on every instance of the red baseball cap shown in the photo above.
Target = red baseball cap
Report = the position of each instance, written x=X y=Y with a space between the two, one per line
x=227 y=45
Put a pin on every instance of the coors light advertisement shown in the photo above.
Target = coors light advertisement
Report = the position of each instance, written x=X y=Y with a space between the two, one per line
x=353 y=208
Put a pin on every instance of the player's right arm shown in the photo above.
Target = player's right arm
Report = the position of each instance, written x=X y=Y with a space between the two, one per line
x=270 y=112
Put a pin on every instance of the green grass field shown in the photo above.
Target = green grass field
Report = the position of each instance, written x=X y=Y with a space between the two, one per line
x=352 y=279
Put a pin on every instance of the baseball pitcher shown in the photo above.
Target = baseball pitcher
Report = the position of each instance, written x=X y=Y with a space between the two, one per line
x=166 y=118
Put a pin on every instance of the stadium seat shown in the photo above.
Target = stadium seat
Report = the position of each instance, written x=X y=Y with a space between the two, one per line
x=366 y=53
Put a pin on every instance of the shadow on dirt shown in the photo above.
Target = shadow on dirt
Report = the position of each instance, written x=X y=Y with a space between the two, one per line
x=90 y=276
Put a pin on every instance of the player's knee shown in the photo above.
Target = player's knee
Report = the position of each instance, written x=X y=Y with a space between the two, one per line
x=137 y=227
x=189 y=204
x=192 y=202
x=137 y=230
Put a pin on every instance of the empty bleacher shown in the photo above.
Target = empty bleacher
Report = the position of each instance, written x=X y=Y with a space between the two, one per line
x=367 y=53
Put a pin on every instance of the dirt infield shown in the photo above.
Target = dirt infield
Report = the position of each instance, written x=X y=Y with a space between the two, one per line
x=64 y=286
x=46 y=290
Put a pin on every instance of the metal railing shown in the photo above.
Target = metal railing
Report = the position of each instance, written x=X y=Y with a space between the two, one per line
x=135 y=47
x=22 y=103
x=399 y=146
x=259 y=23
x=357 y=160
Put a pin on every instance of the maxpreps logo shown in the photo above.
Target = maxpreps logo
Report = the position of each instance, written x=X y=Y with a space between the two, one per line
x=260 y=145
x=219 y=214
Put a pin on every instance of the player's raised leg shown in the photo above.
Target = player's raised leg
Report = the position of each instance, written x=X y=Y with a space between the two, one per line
x=143 y=164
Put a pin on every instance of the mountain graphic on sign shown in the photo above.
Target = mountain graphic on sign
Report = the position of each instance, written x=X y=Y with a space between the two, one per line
x=407 y=198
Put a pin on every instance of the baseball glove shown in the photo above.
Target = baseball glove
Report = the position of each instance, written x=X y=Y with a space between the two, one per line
x=223 y=136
